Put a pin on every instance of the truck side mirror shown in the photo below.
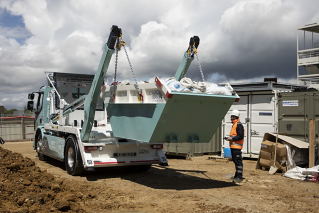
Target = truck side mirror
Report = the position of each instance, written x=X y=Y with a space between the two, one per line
x=30 y=106
x=31 y=96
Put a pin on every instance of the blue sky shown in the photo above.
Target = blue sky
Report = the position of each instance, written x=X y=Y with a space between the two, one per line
x=240 y=40
x=14 y=26
x=9 y=20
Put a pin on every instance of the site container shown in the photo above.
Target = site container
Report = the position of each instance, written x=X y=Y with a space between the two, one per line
x=191 y=149
x=294 y=112
x=258 y=112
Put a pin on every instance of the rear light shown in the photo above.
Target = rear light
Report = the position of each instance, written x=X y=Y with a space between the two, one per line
x=157 y=146
x=90 y=148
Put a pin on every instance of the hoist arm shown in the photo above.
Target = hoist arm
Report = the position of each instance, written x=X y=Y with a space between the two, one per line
x=187 y=58
x=91 y=98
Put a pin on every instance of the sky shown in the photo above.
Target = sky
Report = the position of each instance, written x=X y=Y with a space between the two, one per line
x=240 y=41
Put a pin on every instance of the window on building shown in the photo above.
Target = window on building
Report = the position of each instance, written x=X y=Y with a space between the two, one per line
x=78 y=92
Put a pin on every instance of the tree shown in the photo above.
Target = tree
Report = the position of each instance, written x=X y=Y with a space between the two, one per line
x=9 y=112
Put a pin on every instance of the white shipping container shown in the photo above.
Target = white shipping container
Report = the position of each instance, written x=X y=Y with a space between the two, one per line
x=258 y=113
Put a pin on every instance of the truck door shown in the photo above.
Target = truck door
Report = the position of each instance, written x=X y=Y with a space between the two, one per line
x=38 y=111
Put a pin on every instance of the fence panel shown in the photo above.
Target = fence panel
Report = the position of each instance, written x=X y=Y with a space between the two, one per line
x=16 y=128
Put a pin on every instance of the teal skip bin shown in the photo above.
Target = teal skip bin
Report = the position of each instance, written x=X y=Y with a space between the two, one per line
x=185 y=117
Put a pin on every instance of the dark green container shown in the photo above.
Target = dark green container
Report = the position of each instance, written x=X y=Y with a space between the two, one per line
x=295 y=109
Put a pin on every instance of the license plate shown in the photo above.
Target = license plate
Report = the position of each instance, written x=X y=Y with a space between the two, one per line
x=127 y=154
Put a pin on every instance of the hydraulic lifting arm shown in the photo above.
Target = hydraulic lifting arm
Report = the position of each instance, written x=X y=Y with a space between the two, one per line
x=91 y=98
x=188 y=58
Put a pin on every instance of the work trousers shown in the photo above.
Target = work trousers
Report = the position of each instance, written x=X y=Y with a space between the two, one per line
x=237 y=159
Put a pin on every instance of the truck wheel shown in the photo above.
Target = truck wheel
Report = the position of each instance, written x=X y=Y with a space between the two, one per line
x=72 y=157
x=41 y=156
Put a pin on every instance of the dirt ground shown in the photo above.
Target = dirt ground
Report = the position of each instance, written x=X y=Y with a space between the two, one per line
x=197 y=185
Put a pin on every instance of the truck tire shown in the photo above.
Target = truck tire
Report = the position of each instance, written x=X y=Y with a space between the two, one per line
x=72 y=157
x=41 y=156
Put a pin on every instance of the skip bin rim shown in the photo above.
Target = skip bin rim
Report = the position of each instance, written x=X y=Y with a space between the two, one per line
x=204 y=94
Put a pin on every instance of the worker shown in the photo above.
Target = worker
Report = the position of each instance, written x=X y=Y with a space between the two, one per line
x=236 y=142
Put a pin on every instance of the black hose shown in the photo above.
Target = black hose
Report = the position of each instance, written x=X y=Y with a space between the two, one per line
x=1 y=141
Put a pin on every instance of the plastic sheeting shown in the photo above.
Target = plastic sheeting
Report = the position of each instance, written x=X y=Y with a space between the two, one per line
x=290 y=162
x=299 y=173
x=175 y=85
x=187 y=85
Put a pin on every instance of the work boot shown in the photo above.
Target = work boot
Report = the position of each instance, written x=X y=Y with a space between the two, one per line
x=238 y=180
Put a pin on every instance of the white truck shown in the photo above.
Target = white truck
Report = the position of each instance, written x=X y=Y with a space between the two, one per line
x=122 y=126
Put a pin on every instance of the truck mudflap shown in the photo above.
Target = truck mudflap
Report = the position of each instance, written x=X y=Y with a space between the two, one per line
x=162 y=157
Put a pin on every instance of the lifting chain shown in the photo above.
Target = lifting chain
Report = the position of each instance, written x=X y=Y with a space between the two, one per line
x=136 y=85
x=200 y=68
x=116 y=60
x=120 y=43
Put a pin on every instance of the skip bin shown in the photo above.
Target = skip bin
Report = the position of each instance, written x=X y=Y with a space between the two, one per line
x=180 y=117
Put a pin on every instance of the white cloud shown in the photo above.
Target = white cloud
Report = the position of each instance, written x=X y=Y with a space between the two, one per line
x=240 y=40
x=260 y=24
x=16 y=101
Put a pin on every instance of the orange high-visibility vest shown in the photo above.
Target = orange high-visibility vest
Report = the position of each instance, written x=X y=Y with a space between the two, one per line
x=233 y=132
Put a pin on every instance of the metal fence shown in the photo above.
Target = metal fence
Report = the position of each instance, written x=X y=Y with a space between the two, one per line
x=16 y=128
x=22 y=113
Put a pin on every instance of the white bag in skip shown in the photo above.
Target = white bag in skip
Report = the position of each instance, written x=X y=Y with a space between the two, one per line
x=176 y=86
x=187 y=82
x=194 y=87
x=217 y=90
x=201 y=86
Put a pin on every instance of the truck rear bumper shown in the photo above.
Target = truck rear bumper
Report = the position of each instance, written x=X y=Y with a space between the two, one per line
x=125 y=163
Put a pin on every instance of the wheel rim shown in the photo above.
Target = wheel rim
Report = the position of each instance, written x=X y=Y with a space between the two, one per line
x=38 y=144
x=38 y=147
x=71 y=157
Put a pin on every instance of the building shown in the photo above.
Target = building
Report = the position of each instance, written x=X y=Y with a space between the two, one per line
x=308 y=55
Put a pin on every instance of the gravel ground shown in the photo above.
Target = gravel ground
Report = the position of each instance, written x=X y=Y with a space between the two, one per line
x=196 y=185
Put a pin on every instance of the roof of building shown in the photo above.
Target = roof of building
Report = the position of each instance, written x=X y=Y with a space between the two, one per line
x=264 y=86
x=311 y=28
